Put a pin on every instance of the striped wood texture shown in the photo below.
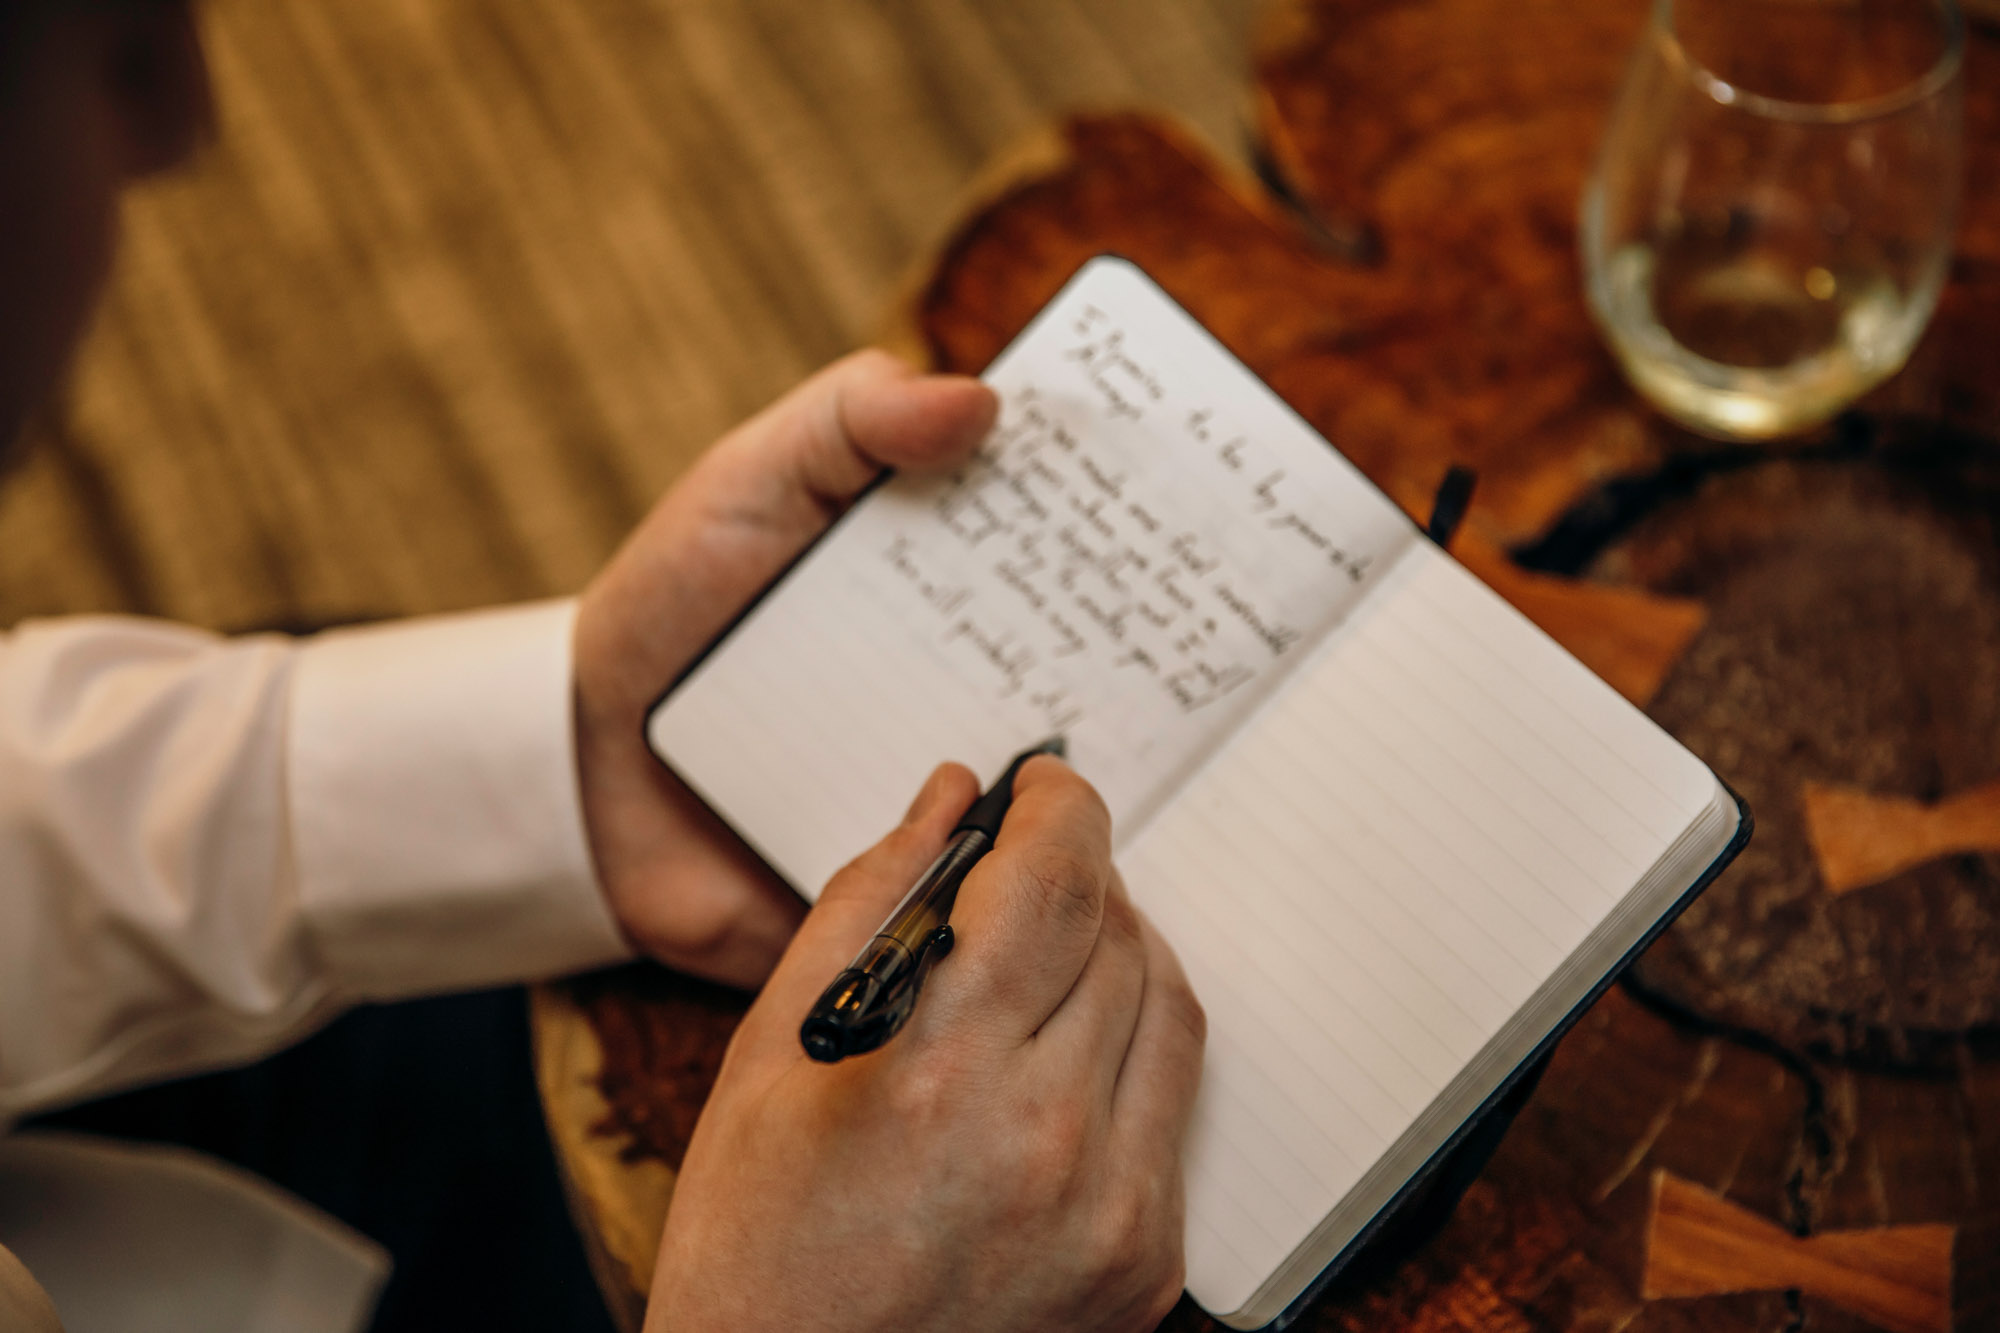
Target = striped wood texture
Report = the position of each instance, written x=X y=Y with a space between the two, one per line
x=465 y=283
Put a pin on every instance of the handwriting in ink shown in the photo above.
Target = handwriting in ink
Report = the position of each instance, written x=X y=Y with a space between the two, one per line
x=1069 y=641
x=1353 y=565
x=1266 y=492
x=1113 y=486
x=1137 y=655
x=1057 y=707
x=1125 y=385
x=1020 y=575
x=1092 y=512
x=1200 y=685
x=1013 y=661
x=1186 y=549
x=1115 y=587
x=942 y=598
x=969 y=514
x=1109 y=619
x=1172 y=590
x=1272 y=634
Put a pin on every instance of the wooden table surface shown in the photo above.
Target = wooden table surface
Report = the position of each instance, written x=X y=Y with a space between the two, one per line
x=1790 y=1119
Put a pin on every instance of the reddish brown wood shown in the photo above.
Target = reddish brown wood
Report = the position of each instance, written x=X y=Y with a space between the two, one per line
x=1456 y=136
x=1362 y=354
x=1443 y=142
x=663 y=1036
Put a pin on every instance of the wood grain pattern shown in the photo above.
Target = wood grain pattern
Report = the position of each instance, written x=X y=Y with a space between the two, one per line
x=1862 y=838
x=1260 y=280
x=1699 y=1244
x=1454 y=137
x=1448 y=141
x=623 y=1194
x=465 y=283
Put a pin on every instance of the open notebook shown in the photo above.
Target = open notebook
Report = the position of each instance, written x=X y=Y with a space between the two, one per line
x=1397 y=835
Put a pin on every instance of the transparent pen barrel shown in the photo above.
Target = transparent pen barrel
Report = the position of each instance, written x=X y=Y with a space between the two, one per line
x=927 y=906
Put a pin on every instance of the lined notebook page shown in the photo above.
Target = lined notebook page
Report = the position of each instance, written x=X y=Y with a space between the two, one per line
x=1149 y=541
x=1371 y=879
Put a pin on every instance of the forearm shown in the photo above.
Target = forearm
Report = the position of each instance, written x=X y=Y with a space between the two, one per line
x=209 y=846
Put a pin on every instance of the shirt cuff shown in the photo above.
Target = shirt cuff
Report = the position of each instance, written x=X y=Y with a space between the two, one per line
x=437 y=827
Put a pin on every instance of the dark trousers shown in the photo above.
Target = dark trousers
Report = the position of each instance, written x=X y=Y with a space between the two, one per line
x=418 y=1125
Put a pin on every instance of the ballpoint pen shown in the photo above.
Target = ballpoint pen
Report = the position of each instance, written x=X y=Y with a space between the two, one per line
x=869 y=1001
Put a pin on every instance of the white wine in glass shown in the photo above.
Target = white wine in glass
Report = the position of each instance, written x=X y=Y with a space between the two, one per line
x=1771 y=215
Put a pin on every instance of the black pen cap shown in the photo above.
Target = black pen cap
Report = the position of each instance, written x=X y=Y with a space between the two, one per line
x=987 y=812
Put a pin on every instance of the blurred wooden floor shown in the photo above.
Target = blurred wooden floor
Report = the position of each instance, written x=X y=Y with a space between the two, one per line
x=465 y=283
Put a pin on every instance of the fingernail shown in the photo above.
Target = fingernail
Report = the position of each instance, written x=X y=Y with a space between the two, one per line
x=927 y=796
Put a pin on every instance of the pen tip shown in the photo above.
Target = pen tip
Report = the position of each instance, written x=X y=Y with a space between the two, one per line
x=1055 y=745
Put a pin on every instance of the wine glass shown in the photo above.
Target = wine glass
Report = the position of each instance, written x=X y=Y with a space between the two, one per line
x=1771 y=214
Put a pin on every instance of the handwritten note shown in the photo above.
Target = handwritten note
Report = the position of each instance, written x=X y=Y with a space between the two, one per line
x=1099 y=563
x=1145 y=545
x=1137 y=550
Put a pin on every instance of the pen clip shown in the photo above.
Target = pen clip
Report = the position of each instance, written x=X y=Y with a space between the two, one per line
x=888 y=1020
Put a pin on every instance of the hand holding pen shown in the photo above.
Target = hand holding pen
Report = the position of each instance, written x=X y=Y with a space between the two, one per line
x=1010 y=1160
x=869 y=1001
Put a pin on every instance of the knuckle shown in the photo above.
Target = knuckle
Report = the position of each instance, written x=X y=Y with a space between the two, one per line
x=1135 y=1252
x=920 y=1098
x=1121 y=1244
x=1057 y=1146
x=1045 y=1169
x=1062 y=883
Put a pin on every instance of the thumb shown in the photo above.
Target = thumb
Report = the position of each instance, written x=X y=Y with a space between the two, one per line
x=855 y=903
x=825 y=441
x=752 y=504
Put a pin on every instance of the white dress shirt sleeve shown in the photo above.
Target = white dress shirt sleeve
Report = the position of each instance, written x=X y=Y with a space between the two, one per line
x=210 y=846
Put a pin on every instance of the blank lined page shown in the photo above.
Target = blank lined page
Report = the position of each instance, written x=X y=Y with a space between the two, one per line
x=1145 y=546
x=1370 y=880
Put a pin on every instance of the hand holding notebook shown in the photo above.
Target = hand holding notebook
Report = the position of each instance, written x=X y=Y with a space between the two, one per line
x=1398 y=836
x=682 y=889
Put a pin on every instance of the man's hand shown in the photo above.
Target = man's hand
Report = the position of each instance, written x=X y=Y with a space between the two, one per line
x=1011 y=1160
x=682 y=888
